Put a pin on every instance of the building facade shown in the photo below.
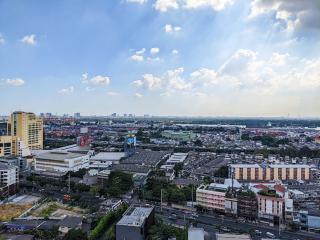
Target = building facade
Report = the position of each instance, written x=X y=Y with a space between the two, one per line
x=212 y=197
x=9 y=179
x=5 y=146
x=263 y=172
x=135 y=223
x=247 y=205
x=26 y=127
x=61 y=161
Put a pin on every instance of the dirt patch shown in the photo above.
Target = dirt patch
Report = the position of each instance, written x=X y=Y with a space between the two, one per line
x=9 y=211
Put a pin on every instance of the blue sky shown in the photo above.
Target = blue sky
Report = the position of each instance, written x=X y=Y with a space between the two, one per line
x=161 y=57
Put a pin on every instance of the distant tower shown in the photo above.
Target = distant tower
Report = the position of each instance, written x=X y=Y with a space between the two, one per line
x=130 y=144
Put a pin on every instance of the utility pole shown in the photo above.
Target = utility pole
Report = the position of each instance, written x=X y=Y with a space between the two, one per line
x=69 y=184
x=161 y=199
x=192 y=196
x=279 y=226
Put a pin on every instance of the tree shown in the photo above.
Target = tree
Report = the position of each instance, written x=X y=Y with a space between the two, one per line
x=177 y=169
x=119 y=183
x=198 y=143
x=222 y=172
x=75 y=234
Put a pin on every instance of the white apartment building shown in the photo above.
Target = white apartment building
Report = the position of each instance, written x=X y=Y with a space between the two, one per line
x=61 y=161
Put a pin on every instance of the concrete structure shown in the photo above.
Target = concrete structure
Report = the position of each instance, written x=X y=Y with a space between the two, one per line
x=177 y=158
x=61 y=161
x=135 y=223
x=26 y=127
x=212 y=197
x=196 y=233
x=9 y=179
x=5 y=146
x=265 y=172
x=271 y=202
x=106 y=159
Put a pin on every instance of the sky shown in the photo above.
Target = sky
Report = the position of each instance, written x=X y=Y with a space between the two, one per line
x=215 y=58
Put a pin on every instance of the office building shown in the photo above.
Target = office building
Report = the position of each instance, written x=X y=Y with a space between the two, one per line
x=212 y=196
x=269 y=172
x=28 y=128
x=5 y=146
x=135 y=223
x=9 y=178
x=61 y=161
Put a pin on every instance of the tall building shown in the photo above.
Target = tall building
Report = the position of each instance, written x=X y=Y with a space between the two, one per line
x=270 y=172
x=28 y=128
x=5 y=146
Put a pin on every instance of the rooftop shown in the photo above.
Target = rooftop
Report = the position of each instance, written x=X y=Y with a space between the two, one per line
x=137 y=216
x=58 y=155
x=109 y=156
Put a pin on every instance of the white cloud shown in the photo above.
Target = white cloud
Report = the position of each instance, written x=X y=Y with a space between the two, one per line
x=29 y=40
x=279 y=59
x=170 y=81
x=2 y=40
x=15 y=82
x=138 y=95
x=97 y=80
x=175 y=51
x=165 y=5
x=140 y=52
x=154 y=50
x=113 y=94
x=148 y=81
x=168 y=28
x=137 y=1
x=216 y=5
x=238 y=61
x=137 y=58
x=292 y=15
x=65 y=91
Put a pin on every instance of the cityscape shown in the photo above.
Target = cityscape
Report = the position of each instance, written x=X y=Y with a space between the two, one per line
x=159 y=120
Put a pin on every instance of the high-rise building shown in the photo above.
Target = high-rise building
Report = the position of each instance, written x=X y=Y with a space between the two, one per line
x=28 y=128
x=5 y=146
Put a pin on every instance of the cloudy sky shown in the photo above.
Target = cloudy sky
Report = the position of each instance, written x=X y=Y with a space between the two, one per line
x=161 y=57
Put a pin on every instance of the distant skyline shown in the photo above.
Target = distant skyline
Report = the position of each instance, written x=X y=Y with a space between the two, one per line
x=212 y=58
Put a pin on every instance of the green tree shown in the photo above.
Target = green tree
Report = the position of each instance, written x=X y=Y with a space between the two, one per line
x=75 y=234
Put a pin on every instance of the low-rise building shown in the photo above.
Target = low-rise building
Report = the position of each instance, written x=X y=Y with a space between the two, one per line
x=135 y=223
x=212 y=196
x=269 y=172
x=61 y=161
x=106 y=159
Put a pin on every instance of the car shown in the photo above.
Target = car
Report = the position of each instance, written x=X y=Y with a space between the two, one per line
x=270 y=235
x=225 y=229
x=258 y=232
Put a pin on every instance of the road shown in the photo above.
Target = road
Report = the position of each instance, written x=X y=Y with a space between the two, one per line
x=214 y=223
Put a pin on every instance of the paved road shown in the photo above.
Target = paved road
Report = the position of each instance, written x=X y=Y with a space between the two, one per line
x=212 y=224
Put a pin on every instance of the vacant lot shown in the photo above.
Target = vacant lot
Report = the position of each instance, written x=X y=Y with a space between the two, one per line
x=8 y=211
